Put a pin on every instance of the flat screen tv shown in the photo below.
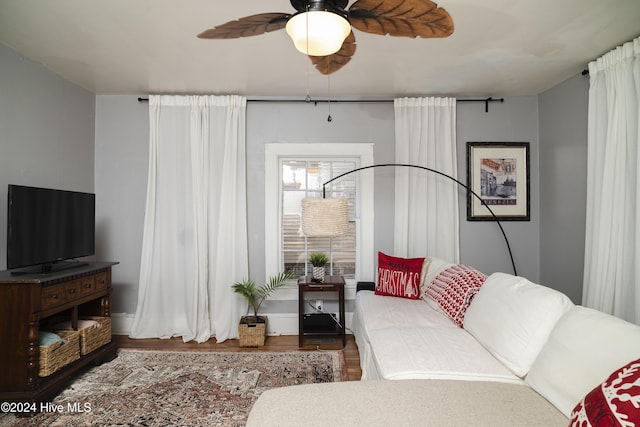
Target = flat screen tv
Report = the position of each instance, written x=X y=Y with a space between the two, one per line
x=48 y=226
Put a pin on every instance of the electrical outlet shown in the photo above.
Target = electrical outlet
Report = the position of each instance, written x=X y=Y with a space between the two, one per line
x=319 y=305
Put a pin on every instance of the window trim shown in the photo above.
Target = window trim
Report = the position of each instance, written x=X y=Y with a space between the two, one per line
x=274 y=152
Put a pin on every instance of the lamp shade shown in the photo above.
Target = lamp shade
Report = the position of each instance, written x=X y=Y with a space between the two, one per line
x=325 y=217
x=318 y=32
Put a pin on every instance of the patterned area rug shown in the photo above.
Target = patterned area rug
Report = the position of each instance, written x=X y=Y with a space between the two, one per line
x=144 y=388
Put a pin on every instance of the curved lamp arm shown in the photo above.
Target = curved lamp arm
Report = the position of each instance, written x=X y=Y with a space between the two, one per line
x=513 y=264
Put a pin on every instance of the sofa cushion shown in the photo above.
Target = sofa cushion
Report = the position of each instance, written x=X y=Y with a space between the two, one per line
x=617 y=399
x=399 y=277
x=454 y=288
x=406 y=352
x=583 y=349
x=374 y=312
x=513 y=318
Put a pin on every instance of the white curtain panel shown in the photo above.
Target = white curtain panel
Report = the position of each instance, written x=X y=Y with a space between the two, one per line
x=612 y=246
x=426 y=204
x=195 y=232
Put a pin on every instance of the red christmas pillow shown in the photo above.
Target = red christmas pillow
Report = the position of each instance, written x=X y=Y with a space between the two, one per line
x=454 y=288
x=615 y=402
x=399 y=277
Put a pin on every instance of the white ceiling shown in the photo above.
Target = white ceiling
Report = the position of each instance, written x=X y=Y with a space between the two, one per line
x=498 y=48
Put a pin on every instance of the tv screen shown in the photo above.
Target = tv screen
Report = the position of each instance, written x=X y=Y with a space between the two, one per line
x=45 y=226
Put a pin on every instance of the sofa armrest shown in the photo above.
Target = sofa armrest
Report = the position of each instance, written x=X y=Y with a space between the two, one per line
x=365 y=286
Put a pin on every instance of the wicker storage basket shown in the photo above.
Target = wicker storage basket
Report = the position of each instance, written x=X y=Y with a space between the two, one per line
x=252 y=334
x=92 y=338
x=57 y=355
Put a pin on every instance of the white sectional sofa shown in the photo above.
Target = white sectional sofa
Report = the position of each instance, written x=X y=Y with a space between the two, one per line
x=522 y=355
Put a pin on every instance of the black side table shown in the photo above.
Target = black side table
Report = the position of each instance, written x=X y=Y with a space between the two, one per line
x=309 y=329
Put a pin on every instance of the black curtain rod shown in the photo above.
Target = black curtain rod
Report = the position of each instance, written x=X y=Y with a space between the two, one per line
x=316 y=101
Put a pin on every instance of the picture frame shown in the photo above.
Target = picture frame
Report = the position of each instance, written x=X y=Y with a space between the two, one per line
x=498 y=172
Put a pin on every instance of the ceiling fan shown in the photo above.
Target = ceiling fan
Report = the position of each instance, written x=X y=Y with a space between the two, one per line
x=313 y=26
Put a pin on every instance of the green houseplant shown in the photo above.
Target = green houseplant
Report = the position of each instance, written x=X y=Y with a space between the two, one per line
x=253 y=328
x=318 y=260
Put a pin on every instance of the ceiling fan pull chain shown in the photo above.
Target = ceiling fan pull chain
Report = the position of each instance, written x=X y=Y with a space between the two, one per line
x=329 y=118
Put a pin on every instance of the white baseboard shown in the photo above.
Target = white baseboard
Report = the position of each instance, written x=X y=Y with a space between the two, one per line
x=278 y=323
x=121 y=323
x=282 y=324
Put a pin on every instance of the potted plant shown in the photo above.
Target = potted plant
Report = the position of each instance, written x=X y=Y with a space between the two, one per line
x=253 y=329
x=318 y=260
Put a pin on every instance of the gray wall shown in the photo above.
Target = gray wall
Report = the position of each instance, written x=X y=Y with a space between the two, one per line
x=122 y=147
x=563 y=183
x=46 y=132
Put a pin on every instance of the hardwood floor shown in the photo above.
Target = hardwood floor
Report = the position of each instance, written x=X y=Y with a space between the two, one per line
x=279 y=343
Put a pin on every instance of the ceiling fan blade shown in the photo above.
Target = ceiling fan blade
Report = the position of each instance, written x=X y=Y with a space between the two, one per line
x=401 y=18
x=331 y=63
x=248 y=26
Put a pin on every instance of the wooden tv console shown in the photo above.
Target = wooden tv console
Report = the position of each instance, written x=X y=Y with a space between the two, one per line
x=31 y=300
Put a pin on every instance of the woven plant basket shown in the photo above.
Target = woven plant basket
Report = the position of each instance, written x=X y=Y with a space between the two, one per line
x=92 y=338
x=252 y=334
x=57 y=355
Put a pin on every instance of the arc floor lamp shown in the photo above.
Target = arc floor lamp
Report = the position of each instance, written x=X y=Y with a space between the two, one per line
x=328 y=217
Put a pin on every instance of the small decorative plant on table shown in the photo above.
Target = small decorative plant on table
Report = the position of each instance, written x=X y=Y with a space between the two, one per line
x=253 y=329
x=318 y=260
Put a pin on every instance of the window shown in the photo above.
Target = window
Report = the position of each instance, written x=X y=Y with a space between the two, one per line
x=295 y=171
x=304 y=178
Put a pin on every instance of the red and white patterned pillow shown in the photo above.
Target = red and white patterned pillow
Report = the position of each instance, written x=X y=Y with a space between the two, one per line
x=399 y=277
x=615 y=402
x=454 y=288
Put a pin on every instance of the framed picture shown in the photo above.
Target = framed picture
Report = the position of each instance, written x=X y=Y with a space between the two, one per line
x=498 y=172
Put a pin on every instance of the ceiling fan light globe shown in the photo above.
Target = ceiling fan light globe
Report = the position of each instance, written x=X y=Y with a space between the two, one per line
x=326 y=32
